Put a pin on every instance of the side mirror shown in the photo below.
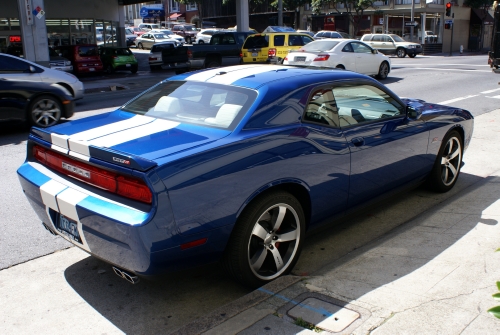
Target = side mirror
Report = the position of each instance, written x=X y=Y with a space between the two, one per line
x=412 y=113
x=374 y=51
x=32 y=69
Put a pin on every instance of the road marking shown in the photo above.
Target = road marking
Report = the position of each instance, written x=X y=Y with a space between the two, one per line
x=444 y=65
x=434 y=68
x=490 y=91
x=457 y=99
x=495 y=97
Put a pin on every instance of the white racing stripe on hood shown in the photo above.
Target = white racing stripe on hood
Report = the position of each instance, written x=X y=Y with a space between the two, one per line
x=154 y=127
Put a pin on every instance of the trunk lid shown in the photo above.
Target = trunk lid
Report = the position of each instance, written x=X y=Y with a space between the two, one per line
x=125 y=139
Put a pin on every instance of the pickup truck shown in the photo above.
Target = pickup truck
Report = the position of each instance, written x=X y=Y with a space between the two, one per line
x=224 y=49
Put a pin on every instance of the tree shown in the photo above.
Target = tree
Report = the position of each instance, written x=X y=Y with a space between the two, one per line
x=353 y=8
x=483 y=6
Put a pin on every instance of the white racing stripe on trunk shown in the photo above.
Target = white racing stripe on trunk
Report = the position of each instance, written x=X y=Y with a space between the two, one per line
x=67 y=200
x=49 y=191
x=59 y=140
x=157 y=126
x=231 y=77
x=79 y=156
x=79 y=142
x=59 y=149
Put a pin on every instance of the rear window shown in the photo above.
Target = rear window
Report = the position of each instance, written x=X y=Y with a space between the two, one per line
x=366 y=37
x=160 y=47
x=87 y=51
x=321 y=45
x=206 y=104
x=256 y=41
x=123 y=52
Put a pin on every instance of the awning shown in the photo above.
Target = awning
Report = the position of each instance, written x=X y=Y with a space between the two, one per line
x=176 y=15
x=483 y=16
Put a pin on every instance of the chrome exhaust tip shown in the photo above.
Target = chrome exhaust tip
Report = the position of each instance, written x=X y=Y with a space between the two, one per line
x=133 y=279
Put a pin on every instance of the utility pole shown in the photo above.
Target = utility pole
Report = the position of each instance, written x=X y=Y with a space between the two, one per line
x=412 y=27
x=280 y=13
x=452 y=26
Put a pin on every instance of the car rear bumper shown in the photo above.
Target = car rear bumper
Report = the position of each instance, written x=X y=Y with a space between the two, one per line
x=123 y=236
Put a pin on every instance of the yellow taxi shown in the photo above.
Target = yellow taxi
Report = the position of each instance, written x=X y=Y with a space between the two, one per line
x=272 y=48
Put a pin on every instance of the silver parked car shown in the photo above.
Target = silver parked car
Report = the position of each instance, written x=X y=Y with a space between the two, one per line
x=169 y=34
x=18 y=69
x=147 y=40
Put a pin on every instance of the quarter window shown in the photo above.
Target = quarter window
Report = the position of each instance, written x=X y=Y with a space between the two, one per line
x=361 y=48
x=364 y=103
x=322 y=109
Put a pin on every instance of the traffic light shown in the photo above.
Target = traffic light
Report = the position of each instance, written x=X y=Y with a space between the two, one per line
x=448 y=9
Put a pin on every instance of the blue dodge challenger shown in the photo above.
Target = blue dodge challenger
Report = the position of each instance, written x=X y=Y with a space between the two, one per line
x=235 y=164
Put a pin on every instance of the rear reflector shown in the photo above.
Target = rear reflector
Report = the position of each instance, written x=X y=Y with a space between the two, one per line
x=271 y=52
x=193 y=243
x=129 y=187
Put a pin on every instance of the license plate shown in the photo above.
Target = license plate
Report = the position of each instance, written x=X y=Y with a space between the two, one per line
x=68 y=228
x=91 y=69
x=300 y=59
x=127 y=65
x=255 y=54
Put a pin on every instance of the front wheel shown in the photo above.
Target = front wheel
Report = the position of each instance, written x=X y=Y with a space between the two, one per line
x=401 y=53
x=266 y=240
x=383 y=71
x=201 y=42
x=44 y=111
x=188 y=40
x=140 y=46
x=446 y=169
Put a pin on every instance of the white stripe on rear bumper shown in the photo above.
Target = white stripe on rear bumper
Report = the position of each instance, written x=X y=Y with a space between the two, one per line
x=49 y=191
x=67 y=201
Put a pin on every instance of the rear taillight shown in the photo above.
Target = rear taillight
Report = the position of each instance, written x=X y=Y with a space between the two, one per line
x=129 y=187
x=286 y=58
x=321 y=58
x=271 y=52
x=152 y=58
x=190 y=54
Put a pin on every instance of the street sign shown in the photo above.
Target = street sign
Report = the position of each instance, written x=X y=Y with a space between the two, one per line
x=448 y=21
x=412 y=23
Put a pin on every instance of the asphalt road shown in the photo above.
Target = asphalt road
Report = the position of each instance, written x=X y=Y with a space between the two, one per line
x=464 y=80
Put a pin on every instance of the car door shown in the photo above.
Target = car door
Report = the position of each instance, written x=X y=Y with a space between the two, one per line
x=388 y=149
x=364 y=58
x=330 y=163
x=12 y=101
x=348 y=57
x=389 y=45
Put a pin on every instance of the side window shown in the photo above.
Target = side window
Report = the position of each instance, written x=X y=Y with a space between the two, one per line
x=306 y=39
x=216 y=39
x=8 y=64
x=347 y=48
x=320 y=34
x=361 y=48
x=228 y=39
x=321 y=108
x=294 y=40
x=367 y=38
x=387 y=39
x=377 y=38
x=364 y=103
x=279 y=40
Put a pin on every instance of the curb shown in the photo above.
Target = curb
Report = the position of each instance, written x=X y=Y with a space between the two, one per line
x=106 y=88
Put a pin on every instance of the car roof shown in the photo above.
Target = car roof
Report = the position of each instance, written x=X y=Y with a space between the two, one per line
x=254 y=76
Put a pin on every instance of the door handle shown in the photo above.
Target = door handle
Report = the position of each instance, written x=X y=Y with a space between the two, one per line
x=358 y=141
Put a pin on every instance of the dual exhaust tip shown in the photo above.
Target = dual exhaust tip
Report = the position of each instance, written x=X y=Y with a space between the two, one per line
x=133 y=279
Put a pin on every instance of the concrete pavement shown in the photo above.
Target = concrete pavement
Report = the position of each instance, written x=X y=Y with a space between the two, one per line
x=432 y=272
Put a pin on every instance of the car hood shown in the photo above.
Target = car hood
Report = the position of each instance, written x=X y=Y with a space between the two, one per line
x=125 y=139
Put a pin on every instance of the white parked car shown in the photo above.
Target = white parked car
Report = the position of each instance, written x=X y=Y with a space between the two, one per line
x=155 y=59
x=348 y=54
x=204 y=36
x=169 y=34
x=18 y=69
x=147 y=40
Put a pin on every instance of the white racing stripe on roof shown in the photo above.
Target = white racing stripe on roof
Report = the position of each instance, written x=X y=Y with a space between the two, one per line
x=154 y=127
x=230 y=77
x=206 y=75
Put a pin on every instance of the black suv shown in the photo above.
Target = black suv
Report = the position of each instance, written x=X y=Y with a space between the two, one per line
x=188 y=31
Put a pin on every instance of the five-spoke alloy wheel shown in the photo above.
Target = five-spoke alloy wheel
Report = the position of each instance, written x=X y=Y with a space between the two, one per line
x=45 y=111
x=447 y=166
x=266 y=240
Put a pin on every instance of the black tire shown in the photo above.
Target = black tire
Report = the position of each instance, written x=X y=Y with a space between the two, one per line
x=255 y=254
x=412 y=55
x=446 y=169
x=201 y=42
x=340 y=67
x=109 y=69
x=212 y=63
x=383 y=71
x=154 y=68
x=140 y=46
x=133 y=69
x=188 y=40
x=401 y=53
x=44 y=111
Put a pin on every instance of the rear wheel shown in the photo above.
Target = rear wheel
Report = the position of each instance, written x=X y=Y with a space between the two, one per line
x=201 y=42
x=267 y=239
x=401 y=53
x=412 y=55
x=133 y=69
x=212 y=63
x=448 y=162
x=44 y=111
x=383 y=70
x=188 y=40
x=340 y=67
x=109 y=69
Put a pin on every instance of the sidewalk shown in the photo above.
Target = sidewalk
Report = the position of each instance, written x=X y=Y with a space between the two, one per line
x=435 y=274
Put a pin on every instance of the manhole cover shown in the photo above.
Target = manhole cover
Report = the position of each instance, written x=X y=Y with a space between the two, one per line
x=324 y=315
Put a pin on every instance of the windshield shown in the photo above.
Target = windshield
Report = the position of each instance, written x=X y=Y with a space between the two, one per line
x=167 y=32
x=159 y=36
x=128 y=31
x=396 y=38
x=206 y=104
x=189 y=28
x=321 y=45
